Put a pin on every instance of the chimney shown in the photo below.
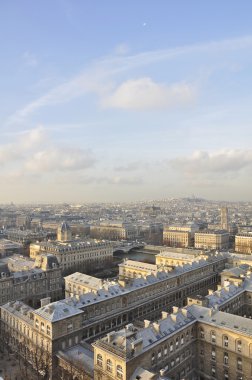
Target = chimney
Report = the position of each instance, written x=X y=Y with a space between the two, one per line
x=164 y=314
x=147 y=323
x=184 y=312
x=175 y=309
x=156 y=327
x=173 y=317
x=110 y=336
x=137 y=345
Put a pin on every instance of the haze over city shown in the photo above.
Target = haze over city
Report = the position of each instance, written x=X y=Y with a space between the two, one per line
x=125 y=101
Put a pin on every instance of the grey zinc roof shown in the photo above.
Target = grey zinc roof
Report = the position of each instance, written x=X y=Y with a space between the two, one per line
x=56 y=311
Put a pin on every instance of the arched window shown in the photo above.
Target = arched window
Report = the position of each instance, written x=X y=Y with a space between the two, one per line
x=238 y=345
x=171 y=346
x=225 y=341
x=119 y=372
x=177 y=342
x=99 y=360
x=109 y=365
x=182 y=339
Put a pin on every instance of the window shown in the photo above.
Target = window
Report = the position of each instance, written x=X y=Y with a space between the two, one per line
x=153 y=358
x=226 y=375
x=213 y=371
x=177 y=342
x=213 y=337
x=225 y=358
x=182 y=340
x=239 y=364
x=202 y=334
x=119 y=372
x=213 y=354
x=225 y=341
x=171 y=346
x=48 y=330
x=159 y=354
x=239 y=345
x=165 y=350
x=109 y=365
x=99 y=360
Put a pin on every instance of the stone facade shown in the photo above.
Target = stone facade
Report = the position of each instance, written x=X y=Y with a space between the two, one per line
x=114 y=231
x=76 y=255
x=212 y=240
x=177 y=238
x=30 y=281
x=243 y=243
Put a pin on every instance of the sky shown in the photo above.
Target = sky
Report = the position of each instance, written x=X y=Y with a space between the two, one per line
x=105 y=101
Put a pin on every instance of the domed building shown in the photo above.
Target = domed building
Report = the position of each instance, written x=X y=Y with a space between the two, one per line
x=64 y=232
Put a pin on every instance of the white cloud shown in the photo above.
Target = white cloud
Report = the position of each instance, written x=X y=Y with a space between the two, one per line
x=34 y=153
x=24 y=142
x=144 y=93
x=97 y=77
x=220 y=163
x=59 y=159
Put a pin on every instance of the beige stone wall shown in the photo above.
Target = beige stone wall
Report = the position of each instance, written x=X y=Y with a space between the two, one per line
x=177 y=238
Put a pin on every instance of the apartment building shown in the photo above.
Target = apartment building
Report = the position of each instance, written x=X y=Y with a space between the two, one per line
x=243 y=243
x=114 y=230
x=218 y=240
x=30 y=280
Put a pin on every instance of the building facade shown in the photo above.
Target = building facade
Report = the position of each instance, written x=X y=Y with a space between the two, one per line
x=30 y=281
x=243 y=243
x=177 y=238
x=76 y=255
x=114 y=231
x=218 y=240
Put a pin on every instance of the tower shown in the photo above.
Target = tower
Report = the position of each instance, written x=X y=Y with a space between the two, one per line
x=64 y=232
x=224 y=218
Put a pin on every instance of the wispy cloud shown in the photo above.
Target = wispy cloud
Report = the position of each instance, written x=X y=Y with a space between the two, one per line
x=100 y=76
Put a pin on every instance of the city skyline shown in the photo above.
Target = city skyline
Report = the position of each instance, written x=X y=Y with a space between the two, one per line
x=125 y=102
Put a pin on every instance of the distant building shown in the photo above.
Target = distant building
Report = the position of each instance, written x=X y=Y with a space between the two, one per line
x=9 y=248
x=243 y=243
x=224 y=218
x=25 y=237
x=177 y=238
x=75 y=255
x=212 y=240
x=64 y=233
x=23 y=221
x=114 y=230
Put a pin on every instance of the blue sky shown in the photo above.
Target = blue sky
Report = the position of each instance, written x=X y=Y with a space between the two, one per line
x=124 y=101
